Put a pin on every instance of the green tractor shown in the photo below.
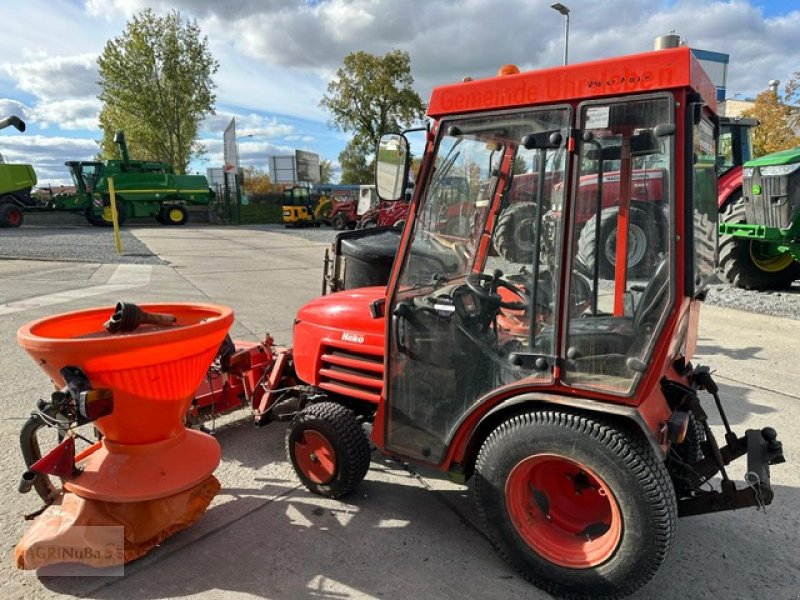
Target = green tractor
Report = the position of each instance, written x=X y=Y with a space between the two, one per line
x=16 y=182
x=760 y=232
x=142 y=189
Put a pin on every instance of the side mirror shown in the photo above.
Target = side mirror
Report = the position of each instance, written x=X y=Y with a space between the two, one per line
x=391 y=166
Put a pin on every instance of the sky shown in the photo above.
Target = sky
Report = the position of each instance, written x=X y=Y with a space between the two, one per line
x=277 y=56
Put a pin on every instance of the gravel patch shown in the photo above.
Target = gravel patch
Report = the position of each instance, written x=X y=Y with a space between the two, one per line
x=73 y=244
x=785 y=303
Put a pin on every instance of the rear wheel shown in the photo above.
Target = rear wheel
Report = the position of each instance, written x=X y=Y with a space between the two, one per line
x=514 y=234
x=10 y=215
x=753 y=265
x=642 y=243
x=328 y=449
x=339 y=222
x=174 y=214
x=580 y=507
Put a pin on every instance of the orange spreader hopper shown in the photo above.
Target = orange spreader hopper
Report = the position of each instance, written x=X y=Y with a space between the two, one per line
x=147 y=457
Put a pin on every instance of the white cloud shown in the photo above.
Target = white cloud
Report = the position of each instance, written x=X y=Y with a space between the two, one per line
x=69 y=114
x=249 y=124
x=47 y=154
x=251 y=153
x=56 y=77
x=298 y=45
x=9 y=106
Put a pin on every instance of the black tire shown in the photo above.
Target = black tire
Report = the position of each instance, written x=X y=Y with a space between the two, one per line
x=682 y=456
x=347 y=452
x=736 y=257
x=514 y=233
x=641 y=253
x=11 y=215
x=105 y=221
x=90 y=217
x=340 y=222
x=367 y=223
x=174 y=214
x=635 y=479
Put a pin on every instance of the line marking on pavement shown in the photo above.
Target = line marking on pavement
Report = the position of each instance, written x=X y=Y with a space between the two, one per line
x=124 y=277
x=131 y=274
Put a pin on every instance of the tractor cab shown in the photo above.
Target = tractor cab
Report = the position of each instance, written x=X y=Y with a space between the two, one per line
x=85 y=175
x=298 y=207
x=474 y=325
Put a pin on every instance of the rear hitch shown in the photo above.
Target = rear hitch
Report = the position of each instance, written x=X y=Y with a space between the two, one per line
x=760 y=445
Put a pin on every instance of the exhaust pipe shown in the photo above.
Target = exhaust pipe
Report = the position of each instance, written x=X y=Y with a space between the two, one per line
x=13 y=121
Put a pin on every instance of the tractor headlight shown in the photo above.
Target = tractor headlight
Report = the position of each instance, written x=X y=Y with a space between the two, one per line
x=748 y=172
x=779 y=170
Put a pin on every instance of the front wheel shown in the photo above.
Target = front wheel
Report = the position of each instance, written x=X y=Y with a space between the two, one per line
x=750 y=264
x=328 y=449
x=173 y=214
x=340 y=222
x=581 y=507
x=10 y=215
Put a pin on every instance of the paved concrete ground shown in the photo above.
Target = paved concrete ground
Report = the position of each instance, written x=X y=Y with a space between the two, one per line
x=401 y=535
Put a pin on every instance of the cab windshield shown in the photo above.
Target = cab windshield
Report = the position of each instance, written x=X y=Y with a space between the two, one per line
x=519 y=156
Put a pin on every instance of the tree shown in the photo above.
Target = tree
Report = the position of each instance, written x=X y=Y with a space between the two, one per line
x=156 y=85
x=369 y=96
x=779 y=121
x=325 y=171
x=256 y=182
x=355 y=169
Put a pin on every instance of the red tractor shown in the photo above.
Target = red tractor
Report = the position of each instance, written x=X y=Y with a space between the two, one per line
x=569 y=400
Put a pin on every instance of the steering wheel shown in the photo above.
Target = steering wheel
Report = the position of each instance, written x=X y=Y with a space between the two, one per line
x=485 y=287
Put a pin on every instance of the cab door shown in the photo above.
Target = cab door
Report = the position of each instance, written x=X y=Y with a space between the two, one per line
x=461 y=321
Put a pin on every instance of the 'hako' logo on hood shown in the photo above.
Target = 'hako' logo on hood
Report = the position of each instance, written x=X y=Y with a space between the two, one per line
x=352 y=337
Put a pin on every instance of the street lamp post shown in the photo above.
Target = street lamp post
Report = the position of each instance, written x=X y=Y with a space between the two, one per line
x=564 y=10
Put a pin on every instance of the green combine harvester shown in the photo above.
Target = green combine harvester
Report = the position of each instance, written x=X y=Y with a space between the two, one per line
x=760 y=243
x=16 y=182
x=143 y=189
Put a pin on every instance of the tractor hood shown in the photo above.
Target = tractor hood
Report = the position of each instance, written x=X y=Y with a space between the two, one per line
x=338 y=345
x=784 y=157
x=348 y=310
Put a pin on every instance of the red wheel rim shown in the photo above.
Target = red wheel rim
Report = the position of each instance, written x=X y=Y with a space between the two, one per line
x=14 y=217
x=563 y=511
x=315 y=457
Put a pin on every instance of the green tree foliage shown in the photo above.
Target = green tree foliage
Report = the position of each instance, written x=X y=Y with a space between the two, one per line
x=156 y=85
x=369 y=96
x=325 y=171
x=779 y=127
x=355 y=169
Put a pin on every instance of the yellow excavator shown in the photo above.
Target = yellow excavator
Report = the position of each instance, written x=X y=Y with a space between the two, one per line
x=302 y=207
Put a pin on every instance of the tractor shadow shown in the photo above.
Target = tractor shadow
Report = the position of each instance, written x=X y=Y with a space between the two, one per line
x=397 y=540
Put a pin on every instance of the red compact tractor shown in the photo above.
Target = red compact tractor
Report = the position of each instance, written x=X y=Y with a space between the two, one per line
x=568 y=398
